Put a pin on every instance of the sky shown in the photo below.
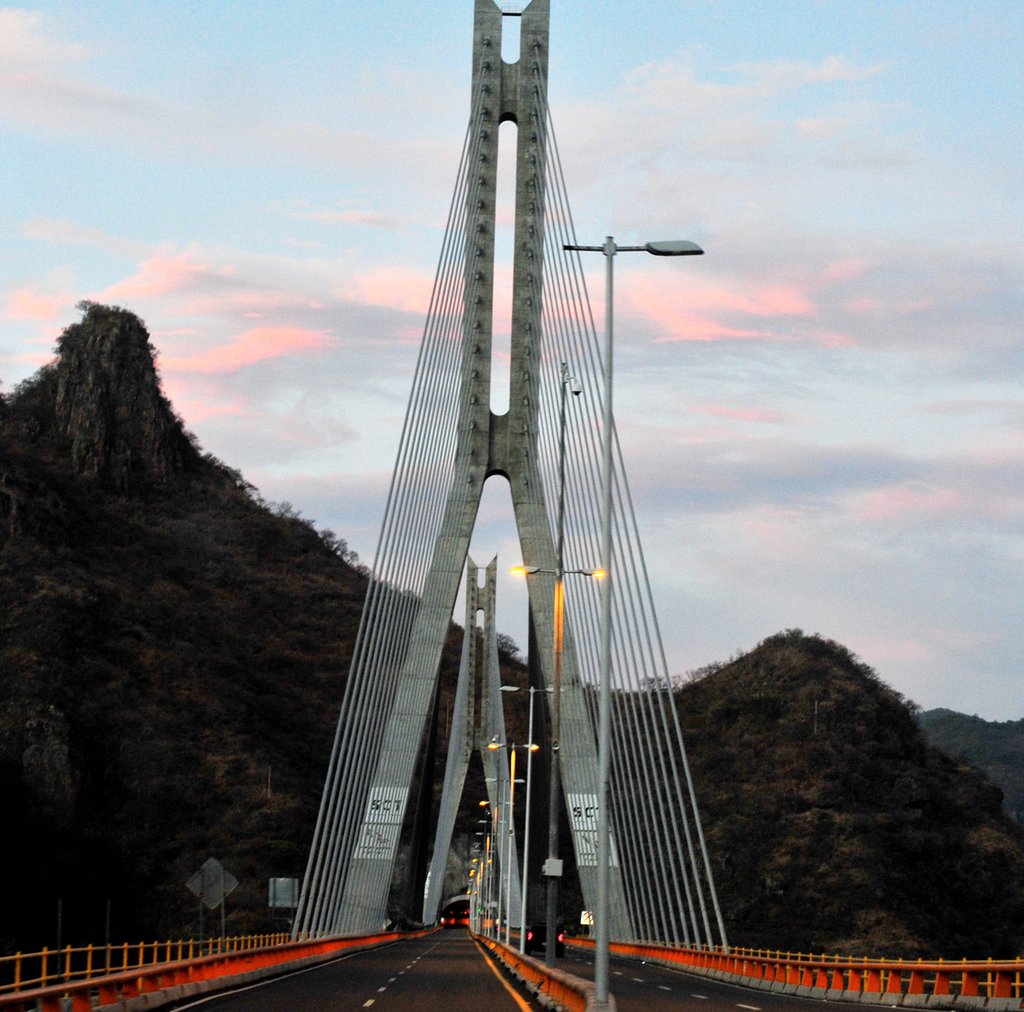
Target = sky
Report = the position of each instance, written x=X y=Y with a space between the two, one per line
x=822 y=419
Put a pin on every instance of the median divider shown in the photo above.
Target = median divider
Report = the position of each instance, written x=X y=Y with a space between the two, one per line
x=156 y=985
x=553 y=987
x=935 y=984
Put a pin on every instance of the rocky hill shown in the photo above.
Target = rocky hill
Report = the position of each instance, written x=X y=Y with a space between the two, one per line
x=834 y=825
x=996 y=747
x=172 y=654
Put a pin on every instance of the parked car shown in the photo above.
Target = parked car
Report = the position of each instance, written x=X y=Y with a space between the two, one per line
x=537 y=938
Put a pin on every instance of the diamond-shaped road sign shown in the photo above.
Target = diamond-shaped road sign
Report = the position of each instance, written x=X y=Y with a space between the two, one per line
x=212 y=883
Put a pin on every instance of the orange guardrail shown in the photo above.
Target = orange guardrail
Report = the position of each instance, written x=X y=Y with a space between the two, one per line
x=557 y=987
x=186 y=969
x=989 y=983
x=49 y=966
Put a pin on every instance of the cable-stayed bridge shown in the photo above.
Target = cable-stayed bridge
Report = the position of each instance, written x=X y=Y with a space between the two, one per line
x=661 y=903
x=548 y=447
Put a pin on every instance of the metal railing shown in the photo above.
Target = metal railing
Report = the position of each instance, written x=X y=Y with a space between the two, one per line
x=56 y=989
x=25 y=970
x=845 y=977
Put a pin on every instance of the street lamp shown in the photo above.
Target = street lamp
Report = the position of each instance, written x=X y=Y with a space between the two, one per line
x=531 y=747
x=500 y=848
x=673 y=248
x=553 y=865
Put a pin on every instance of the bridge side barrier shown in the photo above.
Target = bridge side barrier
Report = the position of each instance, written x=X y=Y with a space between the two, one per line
x=989 y=984
x=553 y=987
x=154 y=985
x=52 y=966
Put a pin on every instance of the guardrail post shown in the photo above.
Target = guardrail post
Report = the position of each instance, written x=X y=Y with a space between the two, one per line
x=855 y=980
x=894 y=985
x=969 y=982
x=916 y=985
x=81 y=1001
x=1003 y=985
x=873 y=984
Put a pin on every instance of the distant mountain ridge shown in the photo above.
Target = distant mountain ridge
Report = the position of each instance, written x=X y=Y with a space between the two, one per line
x=995 y=747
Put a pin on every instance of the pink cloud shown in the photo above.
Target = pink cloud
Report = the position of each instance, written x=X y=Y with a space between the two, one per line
x=253 y=346
x=897 y=502
x=709 y=313
x=196 y=411
x=866 y=305
x=846 y=270
x=760 y=415
x=833 y=339
x=371 y=218
x=161 y=274
x=782 y=312
x=393 y=287
x=24 y=40
x=883 y=650
x=34 y=304
x=771 y=300
x=694 y=327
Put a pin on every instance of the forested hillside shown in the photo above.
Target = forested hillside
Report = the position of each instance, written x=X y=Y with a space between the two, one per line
x=172 y=654
x=995 y=746
x=833 y=824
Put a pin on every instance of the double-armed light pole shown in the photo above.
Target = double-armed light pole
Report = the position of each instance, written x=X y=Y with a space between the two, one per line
x=553 y=866
x=531 y=746
x=610 y=248
x=509 y=850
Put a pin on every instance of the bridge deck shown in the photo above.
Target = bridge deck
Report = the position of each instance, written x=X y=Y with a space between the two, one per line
x=444 y=971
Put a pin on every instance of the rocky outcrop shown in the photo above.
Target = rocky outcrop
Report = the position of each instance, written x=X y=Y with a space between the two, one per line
x=109 y=406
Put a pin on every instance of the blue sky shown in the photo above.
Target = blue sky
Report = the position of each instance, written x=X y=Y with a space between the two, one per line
x=823 y=418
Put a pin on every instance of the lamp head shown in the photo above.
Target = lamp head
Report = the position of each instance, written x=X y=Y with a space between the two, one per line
x=674 y=248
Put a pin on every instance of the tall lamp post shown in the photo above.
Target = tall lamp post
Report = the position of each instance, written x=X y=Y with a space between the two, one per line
x=510 y=844
x=531 y=746
x=674 y=248
x=553 y=865
x=526 y=828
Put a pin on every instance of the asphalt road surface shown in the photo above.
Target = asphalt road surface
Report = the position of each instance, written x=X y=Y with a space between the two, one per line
x=444 y=971
x=447 y=971
x=648 y=987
